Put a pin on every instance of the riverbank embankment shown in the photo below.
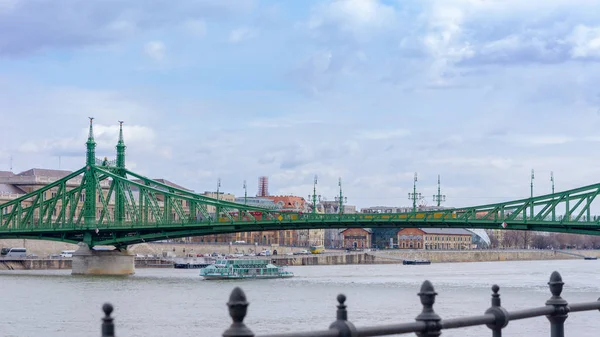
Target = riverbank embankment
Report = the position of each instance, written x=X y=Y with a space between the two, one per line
x=161 y=254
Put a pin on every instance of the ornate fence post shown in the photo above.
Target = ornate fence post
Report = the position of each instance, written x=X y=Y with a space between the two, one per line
x=108 y=327
x=499 y=312
x=561 y=308
x=341 y=323
x=238 y=306
x=431 y=319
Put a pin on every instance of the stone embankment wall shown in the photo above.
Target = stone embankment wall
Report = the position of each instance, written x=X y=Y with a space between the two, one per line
x=44 y=248
x=479 y=255
x=28 y=264
x=325 y=259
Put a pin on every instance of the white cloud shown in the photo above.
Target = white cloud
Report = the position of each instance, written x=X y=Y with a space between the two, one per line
x=155 y=50
x=242 y=34
x=360 y=19
x=383 y=134
x=585 y=41
x=195 y=27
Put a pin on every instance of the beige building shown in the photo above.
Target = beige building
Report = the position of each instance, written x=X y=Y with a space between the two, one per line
x=435 y=238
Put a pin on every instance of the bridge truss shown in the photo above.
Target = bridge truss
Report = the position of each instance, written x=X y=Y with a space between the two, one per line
x=104 y=203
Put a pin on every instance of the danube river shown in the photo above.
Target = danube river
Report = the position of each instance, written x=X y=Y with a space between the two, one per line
x=172 y=302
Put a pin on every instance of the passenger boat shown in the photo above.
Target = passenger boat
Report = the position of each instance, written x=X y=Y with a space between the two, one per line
x=243 y=268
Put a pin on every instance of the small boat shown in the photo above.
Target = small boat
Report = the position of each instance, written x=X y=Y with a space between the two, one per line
x=242 y=269
x=192 y=263
x=414 y=262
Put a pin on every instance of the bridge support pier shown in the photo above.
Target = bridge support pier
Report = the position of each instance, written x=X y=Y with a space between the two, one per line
x=102 y=262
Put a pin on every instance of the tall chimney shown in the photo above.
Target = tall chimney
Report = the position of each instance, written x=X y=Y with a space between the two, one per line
x=263 y=187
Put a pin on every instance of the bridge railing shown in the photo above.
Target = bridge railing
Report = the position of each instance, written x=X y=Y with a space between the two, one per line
x=427 y=324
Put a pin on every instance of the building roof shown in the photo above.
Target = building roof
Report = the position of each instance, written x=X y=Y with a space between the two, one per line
x=446 y=231
x=6 y=174
x=166 y=182
x=37 y=172
x=287 y=201
x=8 y=188
x=368 y=230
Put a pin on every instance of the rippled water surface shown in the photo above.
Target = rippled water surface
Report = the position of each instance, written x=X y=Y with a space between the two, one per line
x=172 y=302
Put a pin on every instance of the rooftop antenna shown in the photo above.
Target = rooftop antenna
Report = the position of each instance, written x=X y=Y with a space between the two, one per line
x=245 y=193
x=11 y=164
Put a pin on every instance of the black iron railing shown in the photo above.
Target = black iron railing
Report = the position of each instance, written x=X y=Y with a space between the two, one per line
x=427 y=323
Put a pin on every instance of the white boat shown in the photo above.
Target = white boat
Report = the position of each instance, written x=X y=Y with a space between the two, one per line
x=243 y=268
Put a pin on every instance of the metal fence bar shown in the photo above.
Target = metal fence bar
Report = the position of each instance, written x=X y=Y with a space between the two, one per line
x=391 y=329
x=427 y=324
x=587 y=306
x=530 y=313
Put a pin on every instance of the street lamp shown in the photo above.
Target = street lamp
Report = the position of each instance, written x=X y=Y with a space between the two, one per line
x=314 y=196
x=439 y=198
x=341 y=199
x=414 y=196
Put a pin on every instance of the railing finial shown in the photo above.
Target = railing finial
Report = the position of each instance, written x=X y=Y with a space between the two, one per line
x=556 y=284
x=345 y=328
x=432 y=320
x=342 y=313
x=500 y=314
x=108 y=327
x=238 y=307
x=561 y=308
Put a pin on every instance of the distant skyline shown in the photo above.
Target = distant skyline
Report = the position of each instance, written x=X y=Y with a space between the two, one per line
x=478 y=91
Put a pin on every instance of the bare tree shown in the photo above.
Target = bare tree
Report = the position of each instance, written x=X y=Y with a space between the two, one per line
x=510 y=239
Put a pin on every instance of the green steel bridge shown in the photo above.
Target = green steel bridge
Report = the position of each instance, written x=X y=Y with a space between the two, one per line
x=104 y=203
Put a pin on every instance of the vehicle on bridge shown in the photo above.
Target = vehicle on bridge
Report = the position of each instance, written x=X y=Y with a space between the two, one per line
x=13 y=252
x=243 y=268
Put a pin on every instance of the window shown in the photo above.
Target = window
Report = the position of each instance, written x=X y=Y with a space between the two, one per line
x=82 y=197
x=53 y=194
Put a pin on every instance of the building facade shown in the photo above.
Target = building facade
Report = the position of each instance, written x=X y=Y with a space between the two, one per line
x=435 y=238
x=356 y=238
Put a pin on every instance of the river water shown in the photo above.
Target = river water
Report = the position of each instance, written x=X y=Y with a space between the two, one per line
x=175 y=302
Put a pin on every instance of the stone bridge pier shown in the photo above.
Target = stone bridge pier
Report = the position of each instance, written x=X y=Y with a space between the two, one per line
x=88 y=261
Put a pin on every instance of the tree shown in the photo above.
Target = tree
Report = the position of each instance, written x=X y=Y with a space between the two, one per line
x=510 y=239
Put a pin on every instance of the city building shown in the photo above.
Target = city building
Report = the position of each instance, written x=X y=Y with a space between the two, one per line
x=356 y=238
x=435 y=238
x=13 y=186
x=333 y=236
x=257 y=201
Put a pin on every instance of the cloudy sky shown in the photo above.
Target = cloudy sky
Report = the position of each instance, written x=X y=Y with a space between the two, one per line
x=478 y=91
